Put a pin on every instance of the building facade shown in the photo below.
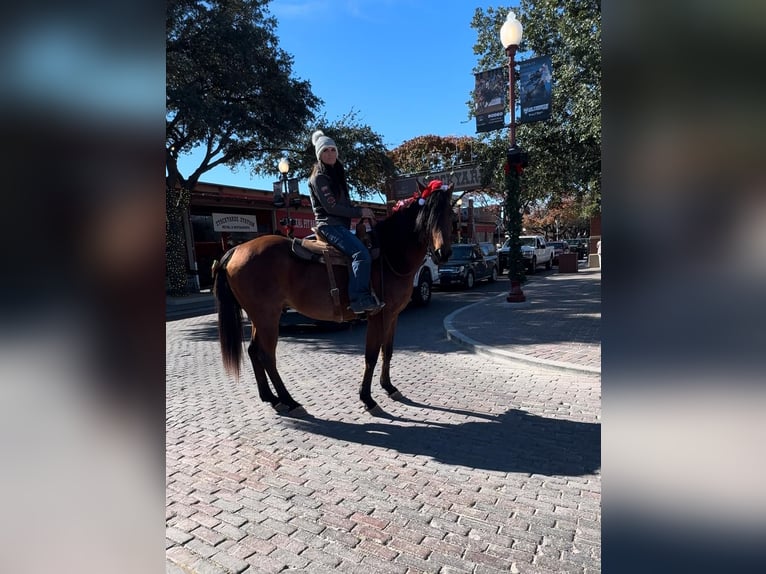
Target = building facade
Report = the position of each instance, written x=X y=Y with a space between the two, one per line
x=222 y=216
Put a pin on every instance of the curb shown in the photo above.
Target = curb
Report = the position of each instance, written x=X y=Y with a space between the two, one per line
x=187 y=307
x=460 y=338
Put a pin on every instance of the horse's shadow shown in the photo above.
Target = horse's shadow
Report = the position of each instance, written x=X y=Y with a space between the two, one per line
x=514 y=441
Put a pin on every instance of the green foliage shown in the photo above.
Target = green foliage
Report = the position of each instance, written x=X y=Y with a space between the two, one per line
x=565 y=150
x=230 y=91
x=512 y=208
x=229 y=85
x=361 y=150
x=562 y=213
x=175 y=257
x=432 y=153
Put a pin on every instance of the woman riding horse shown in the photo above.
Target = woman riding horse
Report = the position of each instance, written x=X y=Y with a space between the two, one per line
x=333 y=213
x=262 y=276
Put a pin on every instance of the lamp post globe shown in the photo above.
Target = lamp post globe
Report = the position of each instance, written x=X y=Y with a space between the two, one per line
x=284 y=166
x=511 y=31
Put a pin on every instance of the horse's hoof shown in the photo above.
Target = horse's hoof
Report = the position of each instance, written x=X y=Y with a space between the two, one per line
x=396 y=395
x=281 y=407
x=376 y=411
x=298 y=411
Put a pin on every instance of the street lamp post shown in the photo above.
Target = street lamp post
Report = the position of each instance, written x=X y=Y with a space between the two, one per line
x=459 y=220
x=510 y=37
x=284 y=168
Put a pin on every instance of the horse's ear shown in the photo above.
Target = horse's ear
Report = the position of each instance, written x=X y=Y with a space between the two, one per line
x=451 y=187
x=421 y=187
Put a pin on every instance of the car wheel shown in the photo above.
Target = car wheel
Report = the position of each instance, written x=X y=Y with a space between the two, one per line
x=469 y=280
x=422 y=293
x=549 y=265
x=493 y=275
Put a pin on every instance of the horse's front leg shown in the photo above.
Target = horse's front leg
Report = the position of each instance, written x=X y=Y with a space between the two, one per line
x=373 y=343
x=385 y=374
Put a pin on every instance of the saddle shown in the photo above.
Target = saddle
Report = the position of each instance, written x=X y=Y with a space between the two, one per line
x=316 y=248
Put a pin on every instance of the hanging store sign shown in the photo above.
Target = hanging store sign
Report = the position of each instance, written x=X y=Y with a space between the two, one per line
x=234 y=222
x=465 y=178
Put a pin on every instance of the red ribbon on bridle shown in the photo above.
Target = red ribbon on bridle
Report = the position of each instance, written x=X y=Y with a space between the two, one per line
x=434 y=185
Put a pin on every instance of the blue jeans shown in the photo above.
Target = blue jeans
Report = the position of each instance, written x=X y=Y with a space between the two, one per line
x=348 y=243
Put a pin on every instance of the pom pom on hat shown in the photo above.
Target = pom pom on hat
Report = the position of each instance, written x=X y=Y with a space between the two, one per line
x=320 y=142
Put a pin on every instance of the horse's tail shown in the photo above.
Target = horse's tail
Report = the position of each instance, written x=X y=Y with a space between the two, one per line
x=229 y=318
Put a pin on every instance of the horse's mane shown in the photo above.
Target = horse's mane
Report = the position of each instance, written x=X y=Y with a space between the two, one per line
x=413 y=221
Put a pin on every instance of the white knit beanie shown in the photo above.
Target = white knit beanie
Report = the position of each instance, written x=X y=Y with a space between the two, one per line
x=321 y=141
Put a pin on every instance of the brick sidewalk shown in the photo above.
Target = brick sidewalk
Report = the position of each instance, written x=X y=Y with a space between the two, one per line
x=559 y=325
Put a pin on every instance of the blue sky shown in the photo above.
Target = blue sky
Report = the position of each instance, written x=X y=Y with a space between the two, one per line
x=405 y=66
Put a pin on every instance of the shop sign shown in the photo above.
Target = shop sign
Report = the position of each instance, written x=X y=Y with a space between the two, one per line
x=234 y=222
x=465 y=178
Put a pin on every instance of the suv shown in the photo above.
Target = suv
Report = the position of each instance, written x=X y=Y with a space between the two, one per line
x=579 y=246
x=502 y=256
x=426 y=277
x=466 y=265
x=490 y=253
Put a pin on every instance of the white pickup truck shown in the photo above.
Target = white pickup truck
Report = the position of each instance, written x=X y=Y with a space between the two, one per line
x=426 y=277
x=535 y=252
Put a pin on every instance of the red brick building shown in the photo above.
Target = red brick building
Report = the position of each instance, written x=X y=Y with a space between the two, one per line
x=221 y=216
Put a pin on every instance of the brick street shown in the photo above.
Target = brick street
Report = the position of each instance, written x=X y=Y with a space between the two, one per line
x=485 y=465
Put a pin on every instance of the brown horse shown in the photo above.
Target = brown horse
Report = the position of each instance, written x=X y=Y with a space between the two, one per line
x=263 y=276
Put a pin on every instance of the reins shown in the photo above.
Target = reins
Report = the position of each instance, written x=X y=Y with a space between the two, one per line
x=391 y=267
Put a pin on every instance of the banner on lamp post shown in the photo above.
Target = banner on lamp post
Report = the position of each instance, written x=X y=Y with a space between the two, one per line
x=535 y=80
x=489 y=100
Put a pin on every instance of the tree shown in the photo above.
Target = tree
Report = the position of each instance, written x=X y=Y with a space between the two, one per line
x=432 y=153
x=565 y=150
x=360 y=149
x=229 y=91
x=560 y=217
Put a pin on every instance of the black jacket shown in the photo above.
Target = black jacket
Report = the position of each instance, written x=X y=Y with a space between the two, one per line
x=331 y=203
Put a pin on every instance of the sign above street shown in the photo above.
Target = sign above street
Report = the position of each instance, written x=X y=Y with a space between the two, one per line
x=465 y=178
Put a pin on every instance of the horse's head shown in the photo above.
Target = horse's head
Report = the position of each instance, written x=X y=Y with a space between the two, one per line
x=435 y=218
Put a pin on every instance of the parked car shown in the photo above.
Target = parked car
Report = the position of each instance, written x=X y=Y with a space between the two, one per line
x=559 y=248
x=579 y=245
x=502 y=256
x=490 y=253
x=534 y=250
x=466 y=265
x=425 y=279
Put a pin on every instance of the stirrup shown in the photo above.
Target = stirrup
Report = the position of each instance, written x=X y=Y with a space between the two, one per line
x=369 y=304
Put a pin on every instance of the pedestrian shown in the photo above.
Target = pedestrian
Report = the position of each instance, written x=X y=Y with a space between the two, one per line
x=333 y=212
x=598 y=250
